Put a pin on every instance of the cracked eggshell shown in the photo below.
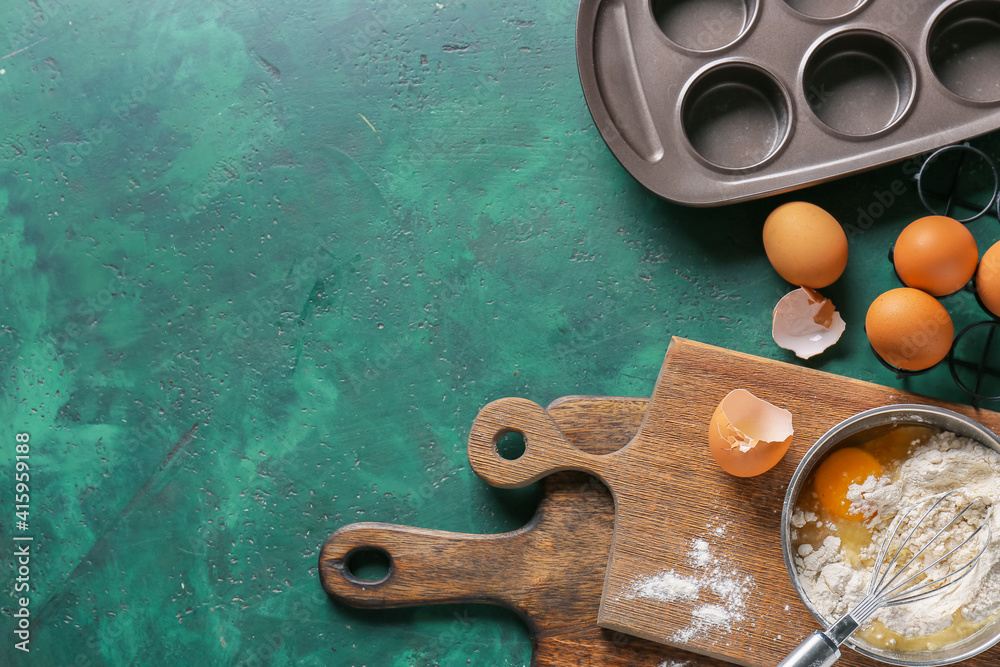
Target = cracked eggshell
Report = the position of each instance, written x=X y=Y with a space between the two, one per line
x=806 y=322
x=748 y=436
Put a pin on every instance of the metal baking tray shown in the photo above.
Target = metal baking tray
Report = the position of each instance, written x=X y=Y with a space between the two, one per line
x=709 y=102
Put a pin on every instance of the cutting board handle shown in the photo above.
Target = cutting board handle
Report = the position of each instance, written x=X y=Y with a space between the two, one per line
x=542 y=449
x=424 y=566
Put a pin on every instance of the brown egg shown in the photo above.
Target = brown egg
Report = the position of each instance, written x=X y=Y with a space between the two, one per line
x=936 y=254
x=909 y=328
x=805 y=244
x=988 y=279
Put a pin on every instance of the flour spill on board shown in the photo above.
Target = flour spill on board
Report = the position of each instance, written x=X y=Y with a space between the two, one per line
x=668 y=587
x=720 y=589
x=700 y=553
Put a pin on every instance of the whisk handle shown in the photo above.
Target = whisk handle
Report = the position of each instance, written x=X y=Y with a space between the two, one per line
x=822 y=649
x=818 y=650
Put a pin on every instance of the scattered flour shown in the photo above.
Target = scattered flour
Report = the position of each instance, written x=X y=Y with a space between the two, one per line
x=834 y=582
x=700 y=555
x=725 y=588
x=668 y=587
x=712 y=615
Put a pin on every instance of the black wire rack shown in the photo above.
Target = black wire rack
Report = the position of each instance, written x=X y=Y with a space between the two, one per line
x=977 y=340
x=950 y=195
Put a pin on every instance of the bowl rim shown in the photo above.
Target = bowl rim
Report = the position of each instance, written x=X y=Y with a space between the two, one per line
x=900 y=413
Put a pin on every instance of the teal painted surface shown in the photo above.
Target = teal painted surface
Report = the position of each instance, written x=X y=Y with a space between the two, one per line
x=262 y=263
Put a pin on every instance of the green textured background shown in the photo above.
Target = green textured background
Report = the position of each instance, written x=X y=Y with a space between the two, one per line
x=263 y=262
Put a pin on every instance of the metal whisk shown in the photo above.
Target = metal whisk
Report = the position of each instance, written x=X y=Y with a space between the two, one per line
x=901 y=580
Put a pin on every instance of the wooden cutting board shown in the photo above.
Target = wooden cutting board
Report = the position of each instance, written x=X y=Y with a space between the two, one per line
x=551 y=571
x=679 y=518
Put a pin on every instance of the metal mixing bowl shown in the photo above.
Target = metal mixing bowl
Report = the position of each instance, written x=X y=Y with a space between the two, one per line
x=857 y=429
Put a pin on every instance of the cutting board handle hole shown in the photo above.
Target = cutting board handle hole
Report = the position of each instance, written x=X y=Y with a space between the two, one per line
x=510 y=444
x=367 y=565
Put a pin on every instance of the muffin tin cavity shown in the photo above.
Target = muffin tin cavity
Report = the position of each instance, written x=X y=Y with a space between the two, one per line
x=824 y=9
x=708 y=102
x=735 y=116
x=703 y=25
x=964 y=50
x=858 y=83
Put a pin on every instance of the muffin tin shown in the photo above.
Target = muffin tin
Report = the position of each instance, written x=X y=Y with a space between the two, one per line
x=709 y=102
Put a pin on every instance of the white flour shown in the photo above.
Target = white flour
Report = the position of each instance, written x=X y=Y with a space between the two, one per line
x=716 y=579
x=945 y=462
x=668 y=587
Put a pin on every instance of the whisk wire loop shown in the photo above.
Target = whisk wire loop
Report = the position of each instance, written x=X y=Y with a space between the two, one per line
x=932 y=587
x=909 y=536
x=892 y=584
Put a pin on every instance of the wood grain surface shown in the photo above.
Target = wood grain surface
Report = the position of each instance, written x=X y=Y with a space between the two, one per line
x=551 y=571
x=671 y=497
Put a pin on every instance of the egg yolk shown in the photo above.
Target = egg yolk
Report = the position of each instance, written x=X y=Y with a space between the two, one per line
x=837 y=473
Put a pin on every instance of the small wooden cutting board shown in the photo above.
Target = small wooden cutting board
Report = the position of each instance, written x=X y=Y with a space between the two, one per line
x=551 y=571
x=704 y=535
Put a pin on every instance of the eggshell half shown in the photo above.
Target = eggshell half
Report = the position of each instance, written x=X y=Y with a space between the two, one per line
x=748 y=436
x=806 y=322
